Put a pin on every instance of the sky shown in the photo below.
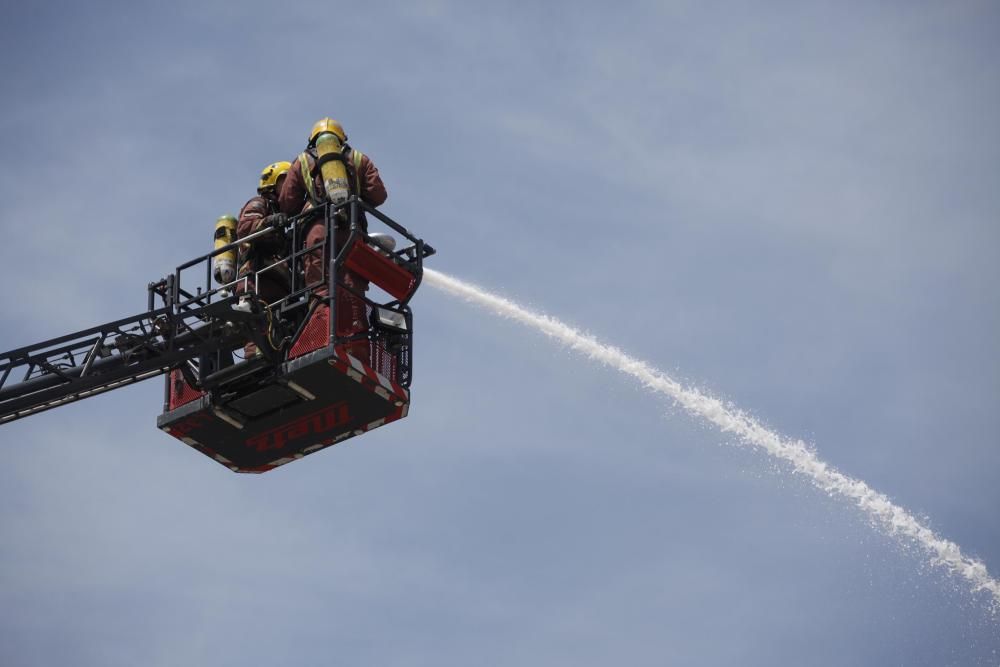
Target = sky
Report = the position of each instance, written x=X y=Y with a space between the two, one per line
x=792 y=206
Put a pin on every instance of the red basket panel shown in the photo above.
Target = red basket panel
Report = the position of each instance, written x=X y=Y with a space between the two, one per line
x=316 y=333
x=180 y=391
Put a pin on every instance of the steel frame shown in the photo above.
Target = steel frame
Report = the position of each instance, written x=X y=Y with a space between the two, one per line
x=196 y=321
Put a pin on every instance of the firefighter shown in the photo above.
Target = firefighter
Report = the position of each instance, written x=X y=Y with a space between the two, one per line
x=265 y=253
x=304 y=188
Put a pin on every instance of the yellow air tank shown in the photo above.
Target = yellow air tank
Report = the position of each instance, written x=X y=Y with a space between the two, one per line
x=329 y=151
x=225 y=263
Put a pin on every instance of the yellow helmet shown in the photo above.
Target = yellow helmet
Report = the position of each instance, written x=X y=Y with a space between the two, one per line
x=272 y=172
x=326 y=125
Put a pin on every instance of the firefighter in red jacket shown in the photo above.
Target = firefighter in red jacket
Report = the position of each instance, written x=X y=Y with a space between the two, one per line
x=265 y=253
x=259 y=213
x=304 y=188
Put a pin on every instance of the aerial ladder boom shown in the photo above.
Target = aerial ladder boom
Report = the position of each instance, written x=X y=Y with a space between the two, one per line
x=89 y=362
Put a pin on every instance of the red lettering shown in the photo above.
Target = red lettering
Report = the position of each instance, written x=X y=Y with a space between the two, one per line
x=314 y=423
x=192 y=423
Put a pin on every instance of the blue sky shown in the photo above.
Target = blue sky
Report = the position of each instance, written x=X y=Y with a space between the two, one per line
x=790 y=205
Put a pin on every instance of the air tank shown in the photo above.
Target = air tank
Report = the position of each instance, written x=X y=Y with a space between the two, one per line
x=225 y=263
x=329 y=153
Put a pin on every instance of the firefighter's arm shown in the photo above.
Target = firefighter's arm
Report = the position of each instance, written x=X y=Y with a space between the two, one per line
x=373 y=188
x=251 y=217
x=254 y=217
x=293 y=192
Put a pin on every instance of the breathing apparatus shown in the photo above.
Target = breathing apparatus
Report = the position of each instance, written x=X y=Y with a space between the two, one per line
x=225 y=263
x=328 y=137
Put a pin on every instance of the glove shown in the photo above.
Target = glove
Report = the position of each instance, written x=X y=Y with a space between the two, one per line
x=276 y=220
x=259 y=224
x=273 y=221
x=273 y=242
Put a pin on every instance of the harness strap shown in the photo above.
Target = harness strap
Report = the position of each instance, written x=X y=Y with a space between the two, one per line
x=307 y=177
x=357 y=156
x=329 y=157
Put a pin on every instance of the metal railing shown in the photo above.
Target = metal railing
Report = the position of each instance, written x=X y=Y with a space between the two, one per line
x=197 y=320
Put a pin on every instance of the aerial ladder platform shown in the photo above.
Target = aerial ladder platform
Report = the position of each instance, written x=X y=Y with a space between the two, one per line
x=308 y=386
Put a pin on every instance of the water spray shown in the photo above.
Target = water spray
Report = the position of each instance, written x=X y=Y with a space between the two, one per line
x=876 y=506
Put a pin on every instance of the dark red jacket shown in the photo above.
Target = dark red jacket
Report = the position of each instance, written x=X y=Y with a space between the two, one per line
x=252 y=212
x=271 y=245
x=366 y=183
